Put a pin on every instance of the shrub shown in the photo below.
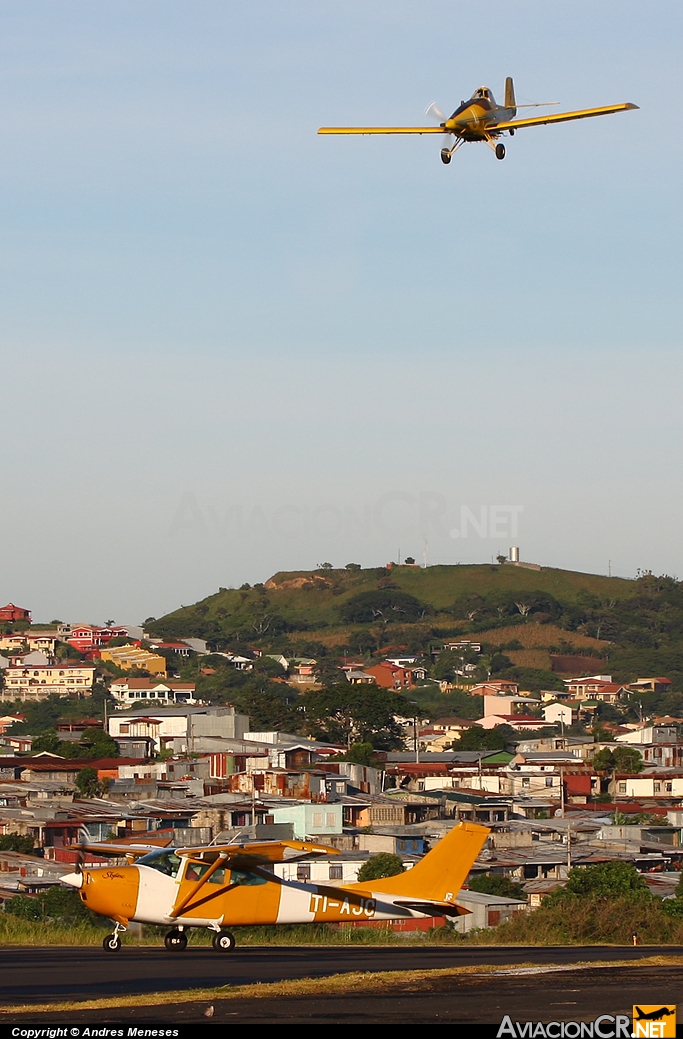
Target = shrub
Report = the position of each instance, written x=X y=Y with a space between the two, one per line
x=381 y=865
x=489 y=884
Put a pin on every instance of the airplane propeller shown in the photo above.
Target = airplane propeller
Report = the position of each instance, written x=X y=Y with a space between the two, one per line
x=434 y=112
x=80 y=858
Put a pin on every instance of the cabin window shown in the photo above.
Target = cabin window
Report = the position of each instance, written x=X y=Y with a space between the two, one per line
x=246 y=879
x=196 y=870
x=163 y=861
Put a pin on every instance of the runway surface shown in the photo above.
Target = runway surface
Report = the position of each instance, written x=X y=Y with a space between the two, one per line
x=46 y=975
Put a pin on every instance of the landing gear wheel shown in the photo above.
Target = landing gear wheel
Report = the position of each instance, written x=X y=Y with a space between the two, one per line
x=500 y=151
x=445 y=156
x=112 y=943
x=223 y=941
x=176 y=941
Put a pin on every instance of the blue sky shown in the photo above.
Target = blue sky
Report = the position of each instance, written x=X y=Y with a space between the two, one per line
x=230 y=346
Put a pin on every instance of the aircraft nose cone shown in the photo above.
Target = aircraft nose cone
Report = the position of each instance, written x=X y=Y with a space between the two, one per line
x=73 y=879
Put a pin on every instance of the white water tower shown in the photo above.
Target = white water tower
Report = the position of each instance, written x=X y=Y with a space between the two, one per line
x=514 y=555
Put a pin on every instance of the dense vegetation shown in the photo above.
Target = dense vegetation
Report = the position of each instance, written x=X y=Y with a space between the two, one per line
x=605 y=903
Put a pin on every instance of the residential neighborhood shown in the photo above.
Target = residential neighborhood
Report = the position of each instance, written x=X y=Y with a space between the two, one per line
x=151 y=737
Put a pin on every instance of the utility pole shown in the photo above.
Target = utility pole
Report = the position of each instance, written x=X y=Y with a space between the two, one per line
x=569 y=846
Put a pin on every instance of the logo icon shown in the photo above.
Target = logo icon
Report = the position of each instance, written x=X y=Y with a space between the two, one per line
x=651 y=1021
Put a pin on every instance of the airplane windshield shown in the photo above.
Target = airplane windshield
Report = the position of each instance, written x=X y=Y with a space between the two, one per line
x=165 y=861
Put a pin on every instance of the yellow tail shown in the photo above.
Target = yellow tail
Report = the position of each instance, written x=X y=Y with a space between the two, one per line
x=442 y=872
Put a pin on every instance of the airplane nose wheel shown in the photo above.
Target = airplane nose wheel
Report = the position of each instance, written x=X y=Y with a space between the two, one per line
x=500 y=151
x=176 y=941
x=445 y=156
x=224 y=941
x=112 y=943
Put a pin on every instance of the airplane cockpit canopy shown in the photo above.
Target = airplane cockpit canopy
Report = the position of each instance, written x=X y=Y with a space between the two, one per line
x=483 y=92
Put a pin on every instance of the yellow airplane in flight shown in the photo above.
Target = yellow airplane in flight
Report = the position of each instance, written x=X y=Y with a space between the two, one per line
x=480 y=119
x=222 y=886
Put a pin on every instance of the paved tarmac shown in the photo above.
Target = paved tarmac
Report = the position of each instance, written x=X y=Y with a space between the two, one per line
x=53 y=974
x=566 y=995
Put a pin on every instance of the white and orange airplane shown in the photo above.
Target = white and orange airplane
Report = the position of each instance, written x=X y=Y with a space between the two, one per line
x=481 y=119
x=218 y=887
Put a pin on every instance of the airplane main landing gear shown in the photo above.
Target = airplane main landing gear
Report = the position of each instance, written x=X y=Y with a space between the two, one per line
x=224 y=941
x=445 y=156
x=176 y=940
x=500 y=151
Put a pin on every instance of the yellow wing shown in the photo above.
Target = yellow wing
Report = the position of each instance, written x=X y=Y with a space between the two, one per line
x=562 y=117
x=260 y=851
x=129 y=849
x=381 y=129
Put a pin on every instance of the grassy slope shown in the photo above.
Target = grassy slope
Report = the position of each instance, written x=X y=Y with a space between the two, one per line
x=315 y=597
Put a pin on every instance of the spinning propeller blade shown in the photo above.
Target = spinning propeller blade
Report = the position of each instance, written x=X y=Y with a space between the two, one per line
x=434 y=112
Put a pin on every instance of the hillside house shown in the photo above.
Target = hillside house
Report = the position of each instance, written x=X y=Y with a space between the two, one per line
x=11 y=614
x=88 y=637
x=129 y=691
x=37 y=682
x=130 y=657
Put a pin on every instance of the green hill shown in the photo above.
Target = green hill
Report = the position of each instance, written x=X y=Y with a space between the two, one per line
x=310 y=601
x=313 y=601
x=536 y=626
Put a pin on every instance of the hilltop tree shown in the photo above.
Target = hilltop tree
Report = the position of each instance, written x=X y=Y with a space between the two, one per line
x=355 y=714
x=388 y=605
x=620 y=759
x=87 y=782
x=478 y=738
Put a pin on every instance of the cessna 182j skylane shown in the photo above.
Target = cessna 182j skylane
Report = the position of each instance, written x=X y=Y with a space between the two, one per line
x=218 y=886
x=480 y=119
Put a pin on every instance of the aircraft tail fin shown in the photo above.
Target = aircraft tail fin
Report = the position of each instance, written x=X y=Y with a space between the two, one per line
x=443 y=871
x=510 y=94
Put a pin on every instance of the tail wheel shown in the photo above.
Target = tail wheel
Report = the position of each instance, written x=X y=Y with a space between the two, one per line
x=224 y=941
x=176 y=941
x=112 y=943
x=445 y=156
x=500 y=151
